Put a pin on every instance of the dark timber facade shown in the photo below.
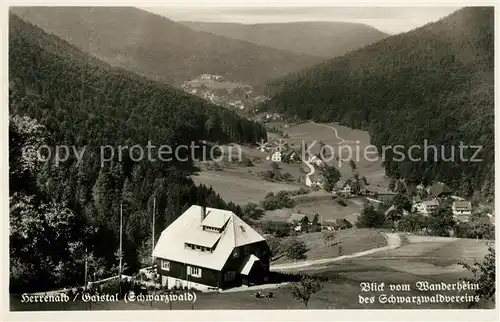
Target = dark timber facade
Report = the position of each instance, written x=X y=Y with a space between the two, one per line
x=218 y=251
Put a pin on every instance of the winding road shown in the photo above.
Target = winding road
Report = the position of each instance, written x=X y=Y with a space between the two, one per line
x=312 y=170
x=374 y=200
x=342 y=141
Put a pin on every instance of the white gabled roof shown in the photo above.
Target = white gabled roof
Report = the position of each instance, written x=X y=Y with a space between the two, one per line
x=216 y=219
x=204 y=238
x=243 y=233
x=341 y=183
x=245 y=270
x=462 y=204
x=430 y=203
x=295 y=217
x=392 y=208
x=188 y=229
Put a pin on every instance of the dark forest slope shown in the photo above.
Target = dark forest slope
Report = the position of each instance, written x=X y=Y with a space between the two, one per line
x=157 y=47
x=59 y=96
x=59 y=84
x=434 y=83
x=326 y=39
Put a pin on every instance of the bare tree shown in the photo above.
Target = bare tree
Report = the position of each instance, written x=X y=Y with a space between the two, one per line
x=328 y=237
x=303 y=290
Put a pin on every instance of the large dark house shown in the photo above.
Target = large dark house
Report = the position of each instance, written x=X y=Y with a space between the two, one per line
x=439 y=190
x=208 y=248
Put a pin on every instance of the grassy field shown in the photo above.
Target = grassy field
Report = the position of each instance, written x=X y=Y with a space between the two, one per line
x=310 y=132
x=352 y=240
x=296 y=170
x=428 y=254
x=405 y=265
x=340 y=292
x=235 y=150
x=322 y=203
x=240 y=187
x=242 y=184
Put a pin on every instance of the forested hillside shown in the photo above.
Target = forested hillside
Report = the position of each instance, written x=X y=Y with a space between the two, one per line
x=324 y=39
x=435 y=83
x=62 y=213
x=159 y=48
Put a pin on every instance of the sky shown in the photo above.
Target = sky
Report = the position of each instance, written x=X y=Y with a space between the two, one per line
x=391 y=20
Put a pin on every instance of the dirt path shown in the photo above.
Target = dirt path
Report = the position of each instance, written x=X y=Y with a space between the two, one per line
x=311 y=167
x=342 y=141
x=393 y=242
x=374 y=200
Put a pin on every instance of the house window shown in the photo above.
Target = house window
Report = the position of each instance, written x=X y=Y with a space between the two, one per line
x=194 y=271
x=229 y=276
x=211 y=229
x=236 y=253
x=165 y=265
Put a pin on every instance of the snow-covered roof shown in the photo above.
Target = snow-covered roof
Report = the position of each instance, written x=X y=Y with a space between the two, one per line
x=188 y=228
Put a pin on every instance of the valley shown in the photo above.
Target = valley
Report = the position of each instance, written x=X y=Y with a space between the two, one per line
x=242 y=183
x=391 y=89
x=234 y=96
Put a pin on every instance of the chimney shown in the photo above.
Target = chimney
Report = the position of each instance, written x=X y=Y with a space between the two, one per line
x=203 y=212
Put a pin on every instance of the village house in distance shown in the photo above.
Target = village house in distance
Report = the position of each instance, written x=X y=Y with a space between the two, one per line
x=211 y=249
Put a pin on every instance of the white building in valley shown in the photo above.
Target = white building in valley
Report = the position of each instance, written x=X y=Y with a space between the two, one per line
x=277 y=156
x=461 y=208
x=316 y=160
x=426 y=207
x=343 y=186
